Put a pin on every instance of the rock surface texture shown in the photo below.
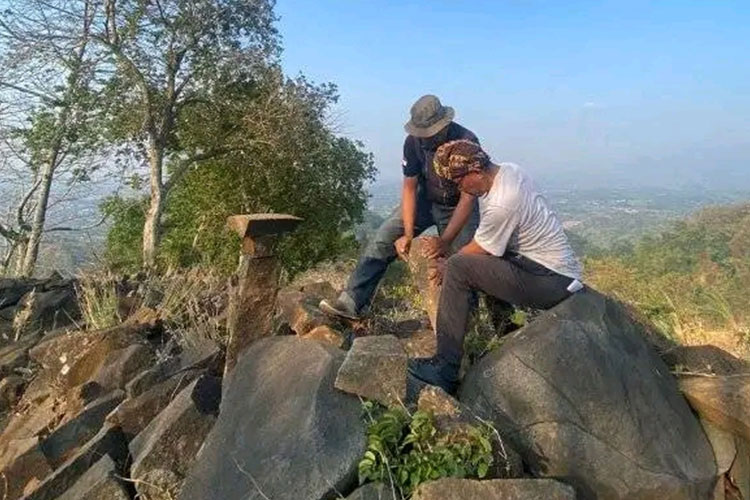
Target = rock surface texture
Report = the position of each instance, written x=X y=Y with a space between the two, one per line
x=583 y=398
x=283 y=431
x=375 y=368
x=723 y=401
x=498 y=489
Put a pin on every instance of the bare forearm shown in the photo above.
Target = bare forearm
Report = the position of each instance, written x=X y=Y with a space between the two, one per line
x=459 y=218
x=473 y=248
x=409 y=205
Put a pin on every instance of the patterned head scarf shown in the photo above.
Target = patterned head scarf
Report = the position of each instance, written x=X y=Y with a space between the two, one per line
x=454 y=159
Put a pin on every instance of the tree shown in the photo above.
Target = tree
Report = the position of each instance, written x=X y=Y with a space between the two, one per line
x=285 y=157
x=47 y=128
x=170 y=57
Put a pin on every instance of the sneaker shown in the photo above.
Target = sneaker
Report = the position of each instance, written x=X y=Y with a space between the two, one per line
x=435 y=371
x=343 y=307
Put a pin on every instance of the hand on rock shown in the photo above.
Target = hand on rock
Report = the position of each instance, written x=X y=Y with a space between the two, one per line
x=436 y=270
x=434 y=247
x=403 y=246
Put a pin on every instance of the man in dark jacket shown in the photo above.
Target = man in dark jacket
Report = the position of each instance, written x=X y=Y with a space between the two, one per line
x=426 y=200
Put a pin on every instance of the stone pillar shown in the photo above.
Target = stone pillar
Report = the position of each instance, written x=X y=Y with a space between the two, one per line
x=252 y=295
x=429 y=290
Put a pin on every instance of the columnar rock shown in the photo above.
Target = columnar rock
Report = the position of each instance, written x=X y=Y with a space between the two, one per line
x=121 y=366
x=252 y=296
x=496 y=489
x=584 y=398
x=421 y=268
x=325 y=334
x=724 y=401
x=109 y=441
x=164 y=451
x=283 y=431
x=100 y=482
x=375 y=368
x=723 y=444
x=739 y=473
x=21 y=462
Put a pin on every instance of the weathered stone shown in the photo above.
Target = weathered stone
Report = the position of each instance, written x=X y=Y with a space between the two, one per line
x=300 y=311
x=252 y=299
x=11 y=290
x=108 y=441
x=421 y=268
x=375 y=368
x=16 y=354
x=421 y=344
x=283 y=427
x=583 y=397
x=31 y=421
x=100 y=482
x=724 y=401
x=75 y=357
x=54 y=308
x=496 y=489
x=21 y=462
x=151 y=377
x=164 y=451
x=325 y=334
x=11 y=389
x=723 y=445
x=373 y=491
x=739 y=473
x=75 y=433
x=133 y=415
x=122 y=365
x=320 y=290
x=704 y=359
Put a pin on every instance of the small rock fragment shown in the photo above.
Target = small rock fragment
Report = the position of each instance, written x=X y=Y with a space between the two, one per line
x=375 y=368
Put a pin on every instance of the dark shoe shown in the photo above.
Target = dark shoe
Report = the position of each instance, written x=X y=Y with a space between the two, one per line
x=435 y=371
x=343 y=307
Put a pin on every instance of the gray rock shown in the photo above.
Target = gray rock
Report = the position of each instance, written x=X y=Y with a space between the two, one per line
x=21 y=463
x=109 y=441
x=283 y=431
x=723 y=445
x=164 y=451
x=583 y=397
x=375 y=368
x=16 y=354
x=373 y=491
x=100 y=482
x=11 y=389
x=704 y=359
x=11 y=290
x=151 y=377
x=724 y=401
x=66 y=439
x=122 y=365
x=134 y=414
x=496 y=489
x=739 y=473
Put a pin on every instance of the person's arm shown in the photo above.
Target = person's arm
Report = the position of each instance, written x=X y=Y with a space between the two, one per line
x=473 y=248
x=461 y=214
x=408 y=215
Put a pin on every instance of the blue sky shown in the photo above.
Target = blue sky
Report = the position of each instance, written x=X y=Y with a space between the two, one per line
x=583 y=92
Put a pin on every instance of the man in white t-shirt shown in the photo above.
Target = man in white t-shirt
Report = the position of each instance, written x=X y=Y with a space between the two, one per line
x=519 y=255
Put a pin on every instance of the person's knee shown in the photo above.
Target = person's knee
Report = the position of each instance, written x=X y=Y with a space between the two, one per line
x=457 y=267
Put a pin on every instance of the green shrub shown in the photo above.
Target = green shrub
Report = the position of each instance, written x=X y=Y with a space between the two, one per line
x=405 y=450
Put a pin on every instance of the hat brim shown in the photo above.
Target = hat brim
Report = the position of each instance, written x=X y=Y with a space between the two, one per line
x=433 y=129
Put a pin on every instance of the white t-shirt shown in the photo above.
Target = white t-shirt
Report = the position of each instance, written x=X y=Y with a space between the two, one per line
x=515 y=217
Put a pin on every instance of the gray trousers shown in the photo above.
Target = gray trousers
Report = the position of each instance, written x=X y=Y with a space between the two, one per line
x=511 y=279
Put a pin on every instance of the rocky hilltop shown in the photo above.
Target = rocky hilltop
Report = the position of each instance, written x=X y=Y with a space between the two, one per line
x=582 y=402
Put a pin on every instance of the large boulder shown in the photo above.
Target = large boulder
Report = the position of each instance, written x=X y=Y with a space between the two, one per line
x=583 y=397
x=724 y=401
x=283 y=432
x=100 y=482
x=497 y=489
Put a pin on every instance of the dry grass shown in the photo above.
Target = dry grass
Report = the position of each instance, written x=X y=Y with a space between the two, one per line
x=98 y=299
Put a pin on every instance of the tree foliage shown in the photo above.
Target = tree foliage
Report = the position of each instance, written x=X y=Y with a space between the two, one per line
x=285 y=158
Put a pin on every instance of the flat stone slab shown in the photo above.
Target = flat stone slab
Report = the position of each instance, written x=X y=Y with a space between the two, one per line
x=254 y=225
x=375 y=368
x=495 y=489
x=723 y=401
x=100 y=482
x=21 y=462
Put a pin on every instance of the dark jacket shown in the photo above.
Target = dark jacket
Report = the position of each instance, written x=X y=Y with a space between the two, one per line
x=418 y=162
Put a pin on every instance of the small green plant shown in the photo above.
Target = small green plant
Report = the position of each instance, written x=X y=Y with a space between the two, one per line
x=405 y=450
